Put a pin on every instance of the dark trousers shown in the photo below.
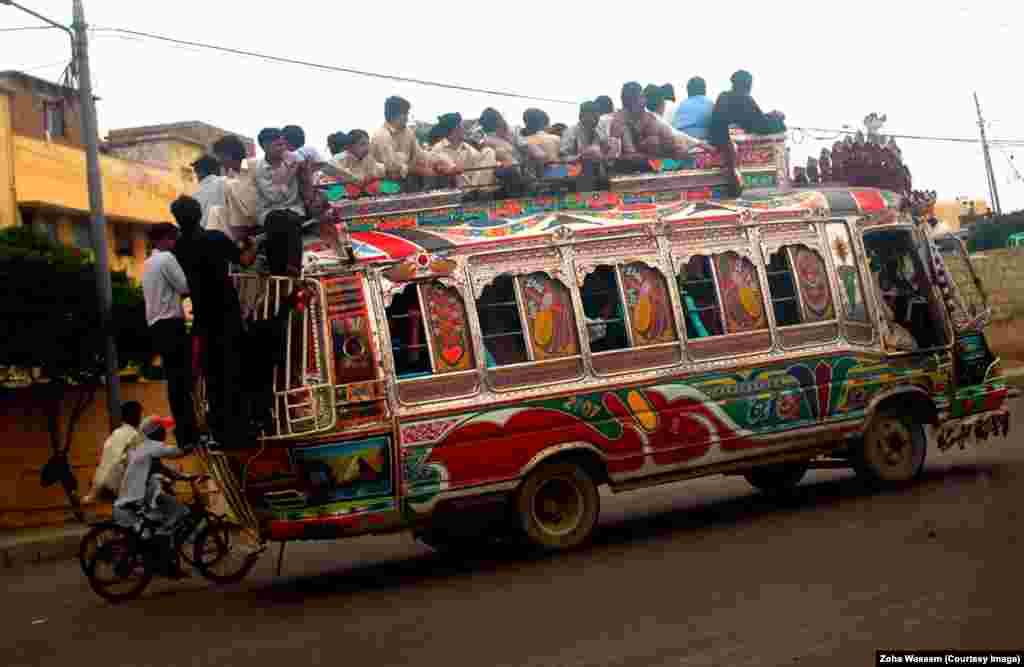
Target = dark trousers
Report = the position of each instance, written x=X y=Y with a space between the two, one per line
x=284 y=241
x=171 y=341
x=223 y=347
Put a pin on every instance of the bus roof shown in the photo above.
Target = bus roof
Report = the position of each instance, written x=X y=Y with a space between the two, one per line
x=469 y=228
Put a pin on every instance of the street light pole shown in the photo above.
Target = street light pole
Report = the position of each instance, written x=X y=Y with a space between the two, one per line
x=90 y=131
x=99 y=223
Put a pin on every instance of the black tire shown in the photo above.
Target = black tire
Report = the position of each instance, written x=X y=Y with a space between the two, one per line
x=776 y=478
x=91 y=541
x=558 y=506
x=892 y=451
x=118 y=570
x=218 y=554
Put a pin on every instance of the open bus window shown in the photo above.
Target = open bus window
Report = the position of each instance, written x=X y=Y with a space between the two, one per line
x=798 y=286
x=602 y=306
x=429 y=334
x=904 y=290
x=408 y=336
x=500 y=324
x=700 y=299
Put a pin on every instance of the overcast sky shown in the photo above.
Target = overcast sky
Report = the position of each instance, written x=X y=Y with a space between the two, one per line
x=825 y=64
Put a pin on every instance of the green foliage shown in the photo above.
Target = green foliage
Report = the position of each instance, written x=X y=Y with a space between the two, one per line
x=992 y=235
x=49 y=318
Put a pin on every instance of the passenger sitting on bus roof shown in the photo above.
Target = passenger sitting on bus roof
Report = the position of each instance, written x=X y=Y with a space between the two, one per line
x=336 y=143
x=355 y=165
x=237 y=217
x=280 y=207
x=394 y=145
x=655 y=98
x=580 y=141
x=605 y=111
x=558 y=129
x=499 y=137
x=637 y=134
x=668 y=94
x=694 y=114
x=737 y=107
x=211 y=185
x=462 y=156
x=541 y=146
x=296 y=138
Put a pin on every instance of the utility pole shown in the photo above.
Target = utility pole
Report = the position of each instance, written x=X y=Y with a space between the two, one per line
x=993 y=189
x=90 y=131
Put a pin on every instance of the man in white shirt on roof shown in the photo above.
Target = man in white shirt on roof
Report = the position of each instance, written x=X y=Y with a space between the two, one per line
x=211 y=185
x=163 y=287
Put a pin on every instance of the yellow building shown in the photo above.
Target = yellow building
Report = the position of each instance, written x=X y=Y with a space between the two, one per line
x=43 y=169
x=960 y=212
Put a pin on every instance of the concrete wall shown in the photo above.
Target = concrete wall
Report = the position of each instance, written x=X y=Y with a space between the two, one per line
x=24 y=449
x=1002 y=274
x=27 y=113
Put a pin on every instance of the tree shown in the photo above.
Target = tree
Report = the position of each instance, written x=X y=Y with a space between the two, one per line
x=50 y=334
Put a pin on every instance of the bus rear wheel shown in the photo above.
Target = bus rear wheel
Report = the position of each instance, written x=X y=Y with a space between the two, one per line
x=558 y=506
x=892 y=450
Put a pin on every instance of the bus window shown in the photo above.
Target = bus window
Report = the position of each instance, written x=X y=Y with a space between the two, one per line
x=798 y=285
x=857 y=325
x=500 y=323
x=650 y=306
x=548 y=306
x=700 y=299
x=602 y=306
x=408 y=336
x=452 y=350
x=742 y=303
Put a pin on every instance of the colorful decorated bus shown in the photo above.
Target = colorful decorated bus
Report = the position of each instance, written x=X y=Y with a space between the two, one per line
x=477 y=369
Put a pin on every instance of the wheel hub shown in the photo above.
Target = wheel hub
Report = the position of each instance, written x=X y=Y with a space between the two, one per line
x=558 y=506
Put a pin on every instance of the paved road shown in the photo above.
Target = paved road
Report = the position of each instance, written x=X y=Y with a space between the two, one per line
x=702 y=573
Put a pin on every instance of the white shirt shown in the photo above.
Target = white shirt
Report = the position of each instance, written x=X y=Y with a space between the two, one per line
x=123 y=437
x=309 y=154
x=136 y=475
x=210 y=193
x=163 y=285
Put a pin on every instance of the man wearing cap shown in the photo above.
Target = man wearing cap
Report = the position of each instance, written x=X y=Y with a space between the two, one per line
x=163 y=287
x=457 y=156
x=142 y=461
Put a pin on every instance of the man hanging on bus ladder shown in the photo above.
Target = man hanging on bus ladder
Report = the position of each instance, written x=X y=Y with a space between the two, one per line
x=280 y=207
x=737 y=107
x=164 y=285
x=206 y=257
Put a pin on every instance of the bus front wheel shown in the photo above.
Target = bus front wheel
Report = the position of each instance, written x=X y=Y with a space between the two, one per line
x=892 y=450
x=558 y=505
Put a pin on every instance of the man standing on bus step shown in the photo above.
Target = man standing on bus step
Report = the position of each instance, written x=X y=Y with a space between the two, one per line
x=163 y=287
x=280 y=208
x=207 y=256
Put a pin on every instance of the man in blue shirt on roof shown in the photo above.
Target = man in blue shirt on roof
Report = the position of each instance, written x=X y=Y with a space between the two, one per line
x=693 y=116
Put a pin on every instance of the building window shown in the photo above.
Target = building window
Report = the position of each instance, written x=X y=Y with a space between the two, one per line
x=124 y=240
x=82 y=235
x=53 y=118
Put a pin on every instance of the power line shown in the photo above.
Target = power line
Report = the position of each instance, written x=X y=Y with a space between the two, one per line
x=916 y=137
x=334 y=68
x=29 y=27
